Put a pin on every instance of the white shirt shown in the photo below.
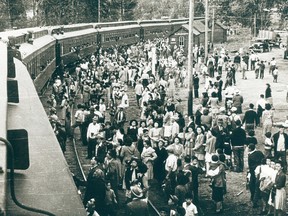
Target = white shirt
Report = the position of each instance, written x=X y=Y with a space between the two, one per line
x=79 y=116
x=93 y=130
x=171 y=163
x=281 y=143
x=191 y=209
x=261 y=102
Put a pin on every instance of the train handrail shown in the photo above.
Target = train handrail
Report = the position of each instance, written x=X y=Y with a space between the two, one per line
x=3 y=124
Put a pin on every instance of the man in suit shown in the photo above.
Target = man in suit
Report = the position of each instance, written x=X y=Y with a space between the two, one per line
x=254 y=159
x=120 y=117
x=280 y=146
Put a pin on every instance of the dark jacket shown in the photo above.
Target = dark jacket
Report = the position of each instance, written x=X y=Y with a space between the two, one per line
x=250 y=117
x=137 y=207
x=280 y=180
x=238 y=137
x=275 y=139
x=254 y=160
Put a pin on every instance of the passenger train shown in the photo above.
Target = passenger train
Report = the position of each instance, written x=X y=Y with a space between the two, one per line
x=29 y=57
x=45 y=49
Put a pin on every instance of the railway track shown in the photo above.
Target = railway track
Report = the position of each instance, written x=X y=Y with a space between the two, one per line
x=76 y=153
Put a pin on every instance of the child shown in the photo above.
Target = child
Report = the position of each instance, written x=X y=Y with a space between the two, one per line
x=275 y=74
x=251 y=139
x=268 y=144
x=189 y=207
x=110 y=200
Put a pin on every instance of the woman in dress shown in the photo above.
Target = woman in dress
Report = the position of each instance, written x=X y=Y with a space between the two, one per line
x=148 y=156
x=280 y=195
x=189 y=141
x=267 y=119
x=159 y=163
x=268 y=94
x=199 y=148
x=155 y=134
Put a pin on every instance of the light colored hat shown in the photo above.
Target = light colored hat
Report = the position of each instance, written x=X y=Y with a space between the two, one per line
x=237 y=91
x=136 y=191
x=222 y=109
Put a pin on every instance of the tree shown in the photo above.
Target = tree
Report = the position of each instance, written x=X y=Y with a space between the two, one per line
x=16 y=12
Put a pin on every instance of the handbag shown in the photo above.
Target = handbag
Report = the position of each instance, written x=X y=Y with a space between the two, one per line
x=266 y=184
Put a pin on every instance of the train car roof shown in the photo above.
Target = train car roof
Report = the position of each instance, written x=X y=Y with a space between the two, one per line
x=27 y=49
x=47 y=183
x=74 y=33
x=154 y=24
x=20 y=32
x=117 y=28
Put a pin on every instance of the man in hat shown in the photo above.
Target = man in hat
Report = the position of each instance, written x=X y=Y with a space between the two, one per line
x=138 y=206
x=92 y=132
x=238 y=101
x=280 y=146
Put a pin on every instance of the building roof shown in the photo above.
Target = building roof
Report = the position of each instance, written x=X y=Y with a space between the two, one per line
x=199 y=26
x=185 y=27
x=221 y=25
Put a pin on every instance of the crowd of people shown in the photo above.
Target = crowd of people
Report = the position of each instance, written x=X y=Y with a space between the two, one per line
x=163 y=144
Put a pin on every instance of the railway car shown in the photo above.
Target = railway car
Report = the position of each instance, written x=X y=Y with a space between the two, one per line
x=118 y=36
x=41 y=181
x=38 y=54
x=72 y=46
x=149 y=31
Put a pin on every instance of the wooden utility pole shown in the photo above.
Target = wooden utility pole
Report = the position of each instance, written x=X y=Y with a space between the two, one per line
x=213 y=25
x=190 y=57
x=99 y=10
x=255 y=22
x=206 y=30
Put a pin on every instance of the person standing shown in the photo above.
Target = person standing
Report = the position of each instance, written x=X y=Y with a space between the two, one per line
x=196 y=85
x=250 y=118
x=268 y=94
x=280 y=195
x=238 y=140
x=275 y=74
x=260 y=106
x=267 y=119
x=280 y=146
x=238 y=101
x=217 y=174
x=262 y=68
x=254 y=159
x=138 y=206
x=92 y=132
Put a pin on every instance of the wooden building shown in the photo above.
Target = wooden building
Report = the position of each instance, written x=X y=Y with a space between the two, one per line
x=220 y=33
x=180 y=36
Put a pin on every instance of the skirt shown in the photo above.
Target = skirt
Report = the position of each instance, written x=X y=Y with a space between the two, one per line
x=217 y=194
x=280 y=199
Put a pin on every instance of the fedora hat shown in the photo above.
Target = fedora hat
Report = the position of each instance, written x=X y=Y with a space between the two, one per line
x=136 y=191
